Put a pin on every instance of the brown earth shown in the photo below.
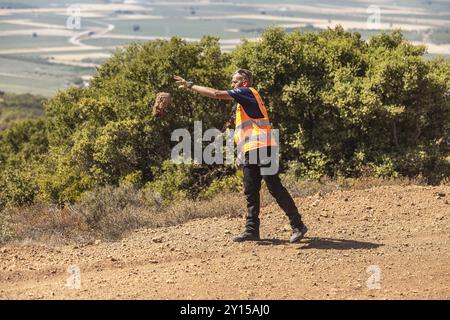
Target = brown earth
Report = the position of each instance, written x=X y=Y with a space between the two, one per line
x=403 y=231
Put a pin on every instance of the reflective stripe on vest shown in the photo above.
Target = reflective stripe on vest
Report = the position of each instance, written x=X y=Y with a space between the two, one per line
x=252 y=133
x=252 y=122
x=258 y=141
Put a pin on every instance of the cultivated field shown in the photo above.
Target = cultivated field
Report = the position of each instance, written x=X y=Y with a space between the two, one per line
x=36 y=32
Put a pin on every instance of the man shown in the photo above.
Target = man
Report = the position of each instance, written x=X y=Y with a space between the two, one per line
x=254 y=139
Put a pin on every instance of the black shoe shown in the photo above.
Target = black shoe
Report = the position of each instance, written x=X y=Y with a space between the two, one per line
x=298 y=234
x=246 y=236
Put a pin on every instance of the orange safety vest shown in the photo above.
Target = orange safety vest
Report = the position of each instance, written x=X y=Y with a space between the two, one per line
x=252 y=133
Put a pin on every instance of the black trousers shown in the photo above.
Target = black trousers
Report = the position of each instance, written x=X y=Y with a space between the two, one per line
x=252 y=187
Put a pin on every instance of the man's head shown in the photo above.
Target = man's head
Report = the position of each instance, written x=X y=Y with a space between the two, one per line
x=242 y=78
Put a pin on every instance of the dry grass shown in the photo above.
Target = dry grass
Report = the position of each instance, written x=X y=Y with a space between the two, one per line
x=110 y=213
x=305 y=188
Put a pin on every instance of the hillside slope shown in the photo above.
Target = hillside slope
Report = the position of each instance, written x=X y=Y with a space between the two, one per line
x=403 y=231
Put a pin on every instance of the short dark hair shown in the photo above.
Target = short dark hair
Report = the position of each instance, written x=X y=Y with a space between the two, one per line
x=246 y=74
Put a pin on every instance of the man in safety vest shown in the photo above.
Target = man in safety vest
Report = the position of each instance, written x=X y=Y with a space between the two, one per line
x=255 y=141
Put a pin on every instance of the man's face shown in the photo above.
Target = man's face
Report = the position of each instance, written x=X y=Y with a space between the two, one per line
x=238 y=81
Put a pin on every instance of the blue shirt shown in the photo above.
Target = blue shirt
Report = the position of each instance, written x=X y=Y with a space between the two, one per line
x=245 y=97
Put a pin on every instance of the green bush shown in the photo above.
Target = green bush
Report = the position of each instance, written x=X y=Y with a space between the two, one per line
x=344 y=105
x=227 y=184
x=189 y=181
x=18 y=187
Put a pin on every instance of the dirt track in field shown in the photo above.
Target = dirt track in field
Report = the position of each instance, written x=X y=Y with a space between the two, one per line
x=402 y=232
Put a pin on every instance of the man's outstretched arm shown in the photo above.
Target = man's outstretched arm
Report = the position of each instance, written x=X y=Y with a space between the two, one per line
x=204 y=91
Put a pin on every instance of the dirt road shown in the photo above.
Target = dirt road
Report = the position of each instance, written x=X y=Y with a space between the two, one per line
x=392 y=239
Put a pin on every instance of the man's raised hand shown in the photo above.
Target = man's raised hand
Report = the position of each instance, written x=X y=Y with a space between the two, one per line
x=182 y=84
